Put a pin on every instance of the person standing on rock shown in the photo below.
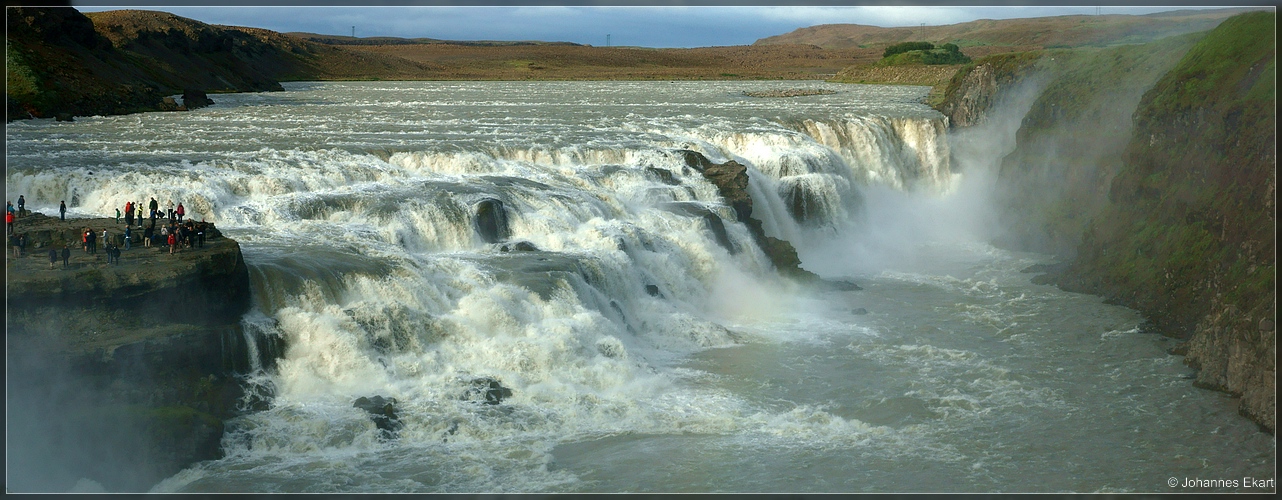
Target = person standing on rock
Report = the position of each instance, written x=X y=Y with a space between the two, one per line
x=147 y=235
x=53 y=257
x=105 y=239
x=129 y=213
x=92 y=238
x=13 y=242
x=180 y=211
x=154 y=206
x=62 y=210
x=66 y=256
x=117 y=216
x=8 y=220
x=170 y=211
x=128 y=236
x=22 y=204
x=173 y=243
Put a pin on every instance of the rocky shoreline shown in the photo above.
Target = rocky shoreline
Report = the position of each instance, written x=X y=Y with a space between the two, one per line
x=788 y=92
x=121 y=373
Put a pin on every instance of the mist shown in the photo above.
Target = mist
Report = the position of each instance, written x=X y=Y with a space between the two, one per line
x=74 y=422
x=892 y=224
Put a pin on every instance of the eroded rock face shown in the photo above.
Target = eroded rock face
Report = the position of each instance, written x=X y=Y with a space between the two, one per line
x=1235 y=352
x=973 y=98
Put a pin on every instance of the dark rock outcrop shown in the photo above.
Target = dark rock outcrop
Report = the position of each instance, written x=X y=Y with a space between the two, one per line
x=193 y=99
x=170 y=104
x=487 y=390
x=520 y=246
x=731 y=179
x=383 y=412
x=490 y=220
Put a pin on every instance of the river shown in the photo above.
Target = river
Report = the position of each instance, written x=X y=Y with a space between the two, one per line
x=642 y=354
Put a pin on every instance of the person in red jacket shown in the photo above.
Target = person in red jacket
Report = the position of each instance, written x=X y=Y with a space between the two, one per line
x=180 y=212
x=173 y=243
x=8 y=219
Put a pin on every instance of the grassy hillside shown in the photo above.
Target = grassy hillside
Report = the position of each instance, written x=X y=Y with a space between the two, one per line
x=55 y=63
x=1187 y=235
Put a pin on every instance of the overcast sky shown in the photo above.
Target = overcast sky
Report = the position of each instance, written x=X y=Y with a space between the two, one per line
x=646 y=26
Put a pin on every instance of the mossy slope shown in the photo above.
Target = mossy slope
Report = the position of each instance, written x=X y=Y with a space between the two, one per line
x=1187 y=233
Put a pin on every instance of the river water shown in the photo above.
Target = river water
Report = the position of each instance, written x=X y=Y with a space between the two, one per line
x=642 y=354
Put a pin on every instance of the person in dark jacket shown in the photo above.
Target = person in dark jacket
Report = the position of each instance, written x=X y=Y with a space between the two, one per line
x=53 y=257
x=66 y=256
x=62 y=209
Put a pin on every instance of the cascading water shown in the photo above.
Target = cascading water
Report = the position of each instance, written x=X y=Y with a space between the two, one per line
x=418 y=240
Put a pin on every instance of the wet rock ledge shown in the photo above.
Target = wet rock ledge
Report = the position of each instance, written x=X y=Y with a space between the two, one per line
x=128 y=369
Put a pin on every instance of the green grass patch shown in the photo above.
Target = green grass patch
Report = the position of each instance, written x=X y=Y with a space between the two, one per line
x=21 y=81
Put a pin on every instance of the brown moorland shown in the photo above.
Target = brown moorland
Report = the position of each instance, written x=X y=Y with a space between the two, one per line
x=458 y=61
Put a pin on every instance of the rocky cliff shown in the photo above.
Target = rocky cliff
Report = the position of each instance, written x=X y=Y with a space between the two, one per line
x=1151 y=170
x=121 y=373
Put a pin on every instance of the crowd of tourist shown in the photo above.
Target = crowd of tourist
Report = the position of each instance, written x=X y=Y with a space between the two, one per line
x=173 y=231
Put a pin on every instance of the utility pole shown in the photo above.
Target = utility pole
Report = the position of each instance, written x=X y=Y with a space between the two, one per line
x=923 y=31
x=353 y=32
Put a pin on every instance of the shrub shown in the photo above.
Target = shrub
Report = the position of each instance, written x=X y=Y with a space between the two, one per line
x=900 y=48
x=944 y=57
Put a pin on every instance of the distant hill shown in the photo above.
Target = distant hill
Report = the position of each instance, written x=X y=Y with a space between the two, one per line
x=389 y=40
x=987 y=36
